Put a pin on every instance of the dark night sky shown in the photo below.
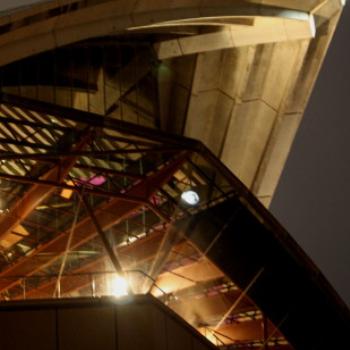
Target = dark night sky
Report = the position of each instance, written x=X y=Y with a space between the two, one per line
x=313 y=198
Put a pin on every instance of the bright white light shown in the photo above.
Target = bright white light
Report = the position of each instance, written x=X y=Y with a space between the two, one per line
x=190 y=197
x=119 y=286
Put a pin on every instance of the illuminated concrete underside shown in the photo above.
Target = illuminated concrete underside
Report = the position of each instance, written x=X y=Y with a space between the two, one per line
x=95 y=96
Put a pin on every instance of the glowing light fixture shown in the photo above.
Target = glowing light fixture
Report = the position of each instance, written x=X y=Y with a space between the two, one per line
x=119 y=286
x=190 y=197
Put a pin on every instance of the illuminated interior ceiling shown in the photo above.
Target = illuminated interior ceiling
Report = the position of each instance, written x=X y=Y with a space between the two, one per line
x=96 y=97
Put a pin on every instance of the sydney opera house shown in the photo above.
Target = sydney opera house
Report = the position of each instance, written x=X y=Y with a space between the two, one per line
x=141 y=142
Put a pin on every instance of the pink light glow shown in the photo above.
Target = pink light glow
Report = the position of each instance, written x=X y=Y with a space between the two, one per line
x=94 y=180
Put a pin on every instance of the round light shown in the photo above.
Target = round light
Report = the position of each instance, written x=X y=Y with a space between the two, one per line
x=190 y=197
x=119 y=286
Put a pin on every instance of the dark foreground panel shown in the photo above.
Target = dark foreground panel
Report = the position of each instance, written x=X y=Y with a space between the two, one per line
x=139 y=322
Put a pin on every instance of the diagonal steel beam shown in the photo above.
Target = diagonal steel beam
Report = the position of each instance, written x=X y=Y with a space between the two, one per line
x=143 y=249
x=110 y=252
x=108 y=214
x=38 y=192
